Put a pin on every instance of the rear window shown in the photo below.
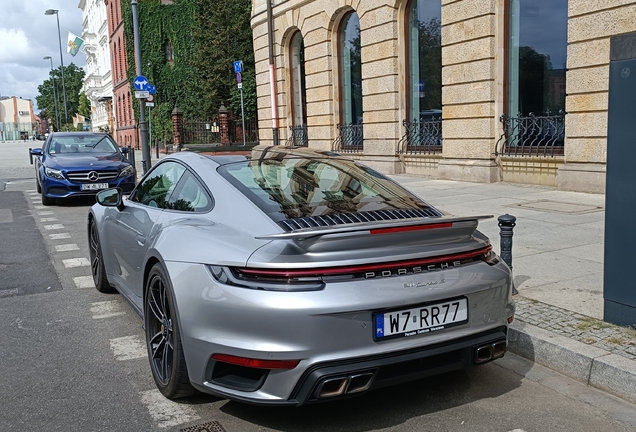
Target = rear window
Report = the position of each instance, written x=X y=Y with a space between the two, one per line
x=292 y=188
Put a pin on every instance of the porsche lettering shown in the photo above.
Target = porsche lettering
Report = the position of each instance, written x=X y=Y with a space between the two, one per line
x=411 y=270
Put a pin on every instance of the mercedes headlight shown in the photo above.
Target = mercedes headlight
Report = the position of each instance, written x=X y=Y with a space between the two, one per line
x=128 y=171
x=53 y=173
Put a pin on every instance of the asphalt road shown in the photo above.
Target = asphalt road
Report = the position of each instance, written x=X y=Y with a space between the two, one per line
x=73 y=359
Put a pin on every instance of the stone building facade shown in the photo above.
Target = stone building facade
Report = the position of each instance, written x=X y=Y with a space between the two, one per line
x=475 y=90
x=17 y=119
x=125 y=124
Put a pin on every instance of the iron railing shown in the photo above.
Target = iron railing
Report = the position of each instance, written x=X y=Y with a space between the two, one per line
x=200 y=132
x=422 y=137
x=235 y=131
x=298 y=136
x=350 y=139
x=532 y=135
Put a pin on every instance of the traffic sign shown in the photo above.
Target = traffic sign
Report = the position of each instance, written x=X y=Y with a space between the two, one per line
x=238 y=66
x=152 y=89
x=143 y=94
x=238 y=77
x=141 y=83
x=150 y=98
x=240 y=85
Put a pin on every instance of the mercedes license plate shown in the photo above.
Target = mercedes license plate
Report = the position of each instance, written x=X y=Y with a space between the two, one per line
x=420 y=320
x=94 y=186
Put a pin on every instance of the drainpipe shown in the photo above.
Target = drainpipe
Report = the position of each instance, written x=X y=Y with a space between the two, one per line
x=272 y=71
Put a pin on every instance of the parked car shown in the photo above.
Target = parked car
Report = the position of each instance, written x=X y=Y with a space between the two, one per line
x=295 y=276
x=80 y=163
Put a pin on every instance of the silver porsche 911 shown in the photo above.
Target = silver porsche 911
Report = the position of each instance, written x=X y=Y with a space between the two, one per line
x=295 y=276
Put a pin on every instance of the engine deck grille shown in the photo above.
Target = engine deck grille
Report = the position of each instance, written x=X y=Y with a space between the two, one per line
x=290 y=225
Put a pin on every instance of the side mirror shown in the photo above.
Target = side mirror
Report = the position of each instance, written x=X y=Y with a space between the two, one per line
x=36 y=151
x=124 y=150
x=111 y=198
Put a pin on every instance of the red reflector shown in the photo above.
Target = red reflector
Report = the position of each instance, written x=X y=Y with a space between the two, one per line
x=256 y=363
x=411 y=228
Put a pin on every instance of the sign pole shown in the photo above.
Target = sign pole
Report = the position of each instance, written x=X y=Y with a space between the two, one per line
x=242 y=113
x=143 y=127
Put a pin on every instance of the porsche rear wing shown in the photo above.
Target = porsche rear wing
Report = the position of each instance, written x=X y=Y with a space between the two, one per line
x=378 y=227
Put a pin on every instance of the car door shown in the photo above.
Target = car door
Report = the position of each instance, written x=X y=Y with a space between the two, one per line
x=131 y=231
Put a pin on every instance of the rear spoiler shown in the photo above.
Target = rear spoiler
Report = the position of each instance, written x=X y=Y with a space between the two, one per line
x=376 y=227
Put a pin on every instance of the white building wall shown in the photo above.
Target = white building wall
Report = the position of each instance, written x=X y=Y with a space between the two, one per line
x=98 y=84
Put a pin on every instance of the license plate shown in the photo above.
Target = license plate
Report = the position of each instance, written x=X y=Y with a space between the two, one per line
x=94 y=186
x=420 y=320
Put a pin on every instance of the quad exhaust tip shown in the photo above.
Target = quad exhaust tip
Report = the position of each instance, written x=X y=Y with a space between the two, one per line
x=337 y=386
x=486 y=353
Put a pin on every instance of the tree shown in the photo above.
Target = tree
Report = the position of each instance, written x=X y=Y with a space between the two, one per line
x=84 y=108
x=223 y=34
x=73 y=80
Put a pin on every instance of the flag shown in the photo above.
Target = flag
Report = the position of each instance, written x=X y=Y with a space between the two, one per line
x=74 y=44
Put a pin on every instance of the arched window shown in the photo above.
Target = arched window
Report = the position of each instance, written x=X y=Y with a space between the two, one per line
x=424 y=44
x=350 y=70
x=537 y=48
x=297 y=57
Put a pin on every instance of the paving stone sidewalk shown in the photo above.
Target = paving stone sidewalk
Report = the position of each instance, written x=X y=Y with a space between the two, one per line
x=615 y=339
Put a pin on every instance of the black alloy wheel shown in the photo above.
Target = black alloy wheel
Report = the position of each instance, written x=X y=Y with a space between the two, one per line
x=97 y=261
x=167 y=361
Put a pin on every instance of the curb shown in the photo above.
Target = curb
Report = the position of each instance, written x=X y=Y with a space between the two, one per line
x=590 y=365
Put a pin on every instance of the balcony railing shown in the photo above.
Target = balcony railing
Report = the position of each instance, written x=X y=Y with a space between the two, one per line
x=350 y=139
x=532 y=135
x=298 y=136
x=422 y=137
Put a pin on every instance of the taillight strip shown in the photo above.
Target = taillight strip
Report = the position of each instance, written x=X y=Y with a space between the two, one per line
x=411 y=228
x=366 y=267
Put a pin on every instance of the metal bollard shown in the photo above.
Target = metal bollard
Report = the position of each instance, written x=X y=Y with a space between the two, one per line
x=506 y=225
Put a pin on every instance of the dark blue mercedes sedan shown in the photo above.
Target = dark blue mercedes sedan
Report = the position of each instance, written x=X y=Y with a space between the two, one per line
x=79 y=164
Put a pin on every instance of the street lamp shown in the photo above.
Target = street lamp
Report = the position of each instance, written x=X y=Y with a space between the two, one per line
x=57 y=115
x=55 y=12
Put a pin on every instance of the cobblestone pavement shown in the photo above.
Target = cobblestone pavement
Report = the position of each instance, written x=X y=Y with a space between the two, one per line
x=609 y=337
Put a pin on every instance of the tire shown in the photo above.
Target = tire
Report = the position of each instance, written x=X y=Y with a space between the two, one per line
x=46 y=201
x=163 y=339
x=97 y=261
x=37 y=186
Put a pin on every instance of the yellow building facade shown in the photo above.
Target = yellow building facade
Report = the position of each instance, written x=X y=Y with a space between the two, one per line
x=472 y=90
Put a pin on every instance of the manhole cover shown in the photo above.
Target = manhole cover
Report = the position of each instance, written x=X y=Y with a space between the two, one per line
x=560 y=207
x=213 y=426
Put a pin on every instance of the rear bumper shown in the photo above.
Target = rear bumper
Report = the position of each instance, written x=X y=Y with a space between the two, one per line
x=362 y=374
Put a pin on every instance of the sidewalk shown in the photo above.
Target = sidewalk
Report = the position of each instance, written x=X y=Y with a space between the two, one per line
x=558 y=249
x=557 y=260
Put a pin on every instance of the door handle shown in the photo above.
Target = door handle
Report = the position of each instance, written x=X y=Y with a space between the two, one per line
x=141 y=240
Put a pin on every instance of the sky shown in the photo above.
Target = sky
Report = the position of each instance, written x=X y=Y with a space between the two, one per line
x=27 y=35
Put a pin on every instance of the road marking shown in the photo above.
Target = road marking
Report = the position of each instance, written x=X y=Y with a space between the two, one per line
x=106 y=309
x=66 y=247
x=45 y=213
x=6 y=216
x=517 y=430
x=84 y=282
x=76 y=262
x=60 y=236
x=8 y=292
x=48 y=219
x=128 y=347
x=40 y=207
x=165 y=412
x=54 y=227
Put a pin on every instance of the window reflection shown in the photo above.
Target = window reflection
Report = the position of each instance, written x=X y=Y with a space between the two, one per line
x=350 y=70
x=425 y=60
x=537 y=56
x=299 y=109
